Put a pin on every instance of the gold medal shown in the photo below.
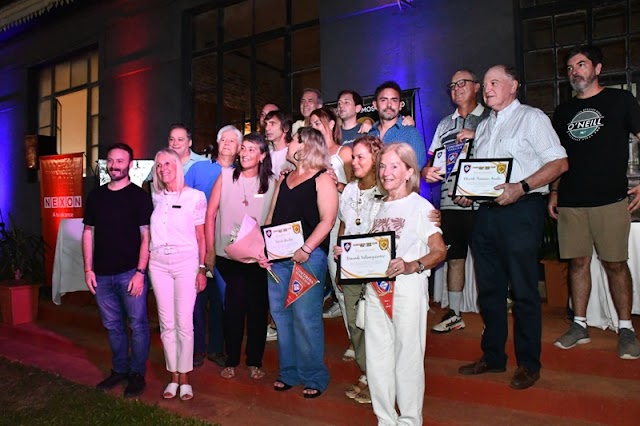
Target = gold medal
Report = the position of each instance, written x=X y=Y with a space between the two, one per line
x=358 y=221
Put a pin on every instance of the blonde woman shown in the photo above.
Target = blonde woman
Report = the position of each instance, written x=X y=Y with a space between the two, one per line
x=176 y=265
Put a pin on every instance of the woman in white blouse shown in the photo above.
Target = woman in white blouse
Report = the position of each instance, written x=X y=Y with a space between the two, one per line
x=176 y=265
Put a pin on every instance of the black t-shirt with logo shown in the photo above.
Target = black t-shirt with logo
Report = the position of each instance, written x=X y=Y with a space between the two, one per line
x=595 y=133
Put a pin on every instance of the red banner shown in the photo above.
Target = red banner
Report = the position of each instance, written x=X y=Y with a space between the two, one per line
x=61 y=189
x=301 y=281
x=384 y=290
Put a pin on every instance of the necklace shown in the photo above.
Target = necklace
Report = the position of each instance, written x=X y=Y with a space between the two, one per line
x=359 y=202
x=244 y=193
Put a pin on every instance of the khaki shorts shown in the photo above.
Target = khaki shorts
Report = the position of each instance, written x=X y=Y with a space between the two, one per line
x=605 y=227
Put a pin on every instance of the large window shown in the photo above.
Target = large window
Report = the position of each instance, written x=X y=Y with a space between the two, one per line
x=68 y=97
x=549 y=28
x=247 y=53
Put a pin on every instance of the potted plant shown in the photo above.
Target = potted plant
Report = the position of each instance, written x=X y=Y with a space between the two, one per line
x=556 y=271
x=21 y=273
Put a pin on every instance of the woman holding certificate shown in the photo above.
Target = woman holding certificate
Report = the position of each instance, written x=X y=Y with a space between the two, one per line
x=396 y=320
x=176 y=265
x=308 y=195
x=243 y=191
x=359 y=204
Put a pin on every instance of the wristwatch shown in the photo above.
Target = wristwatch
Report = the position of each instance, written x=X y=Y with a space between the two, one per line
x=142 y=271
x=525 y=186
x=420 y=267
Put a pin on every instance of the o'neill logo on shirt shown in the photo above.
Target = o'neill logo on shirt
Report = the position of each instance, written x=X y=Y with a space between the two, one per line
x=585 y=124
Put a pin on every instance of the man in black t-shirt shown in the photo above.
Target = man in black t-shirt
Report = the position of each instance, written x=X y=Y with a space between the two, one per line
x=115 y=246
x=590 y=200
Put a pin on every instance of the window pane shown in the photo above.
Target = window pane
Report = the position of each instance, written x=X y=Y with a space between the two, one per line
x=609 y=21
x=304 y=10
x=634 y=19
x=305 y=49
x=560 y=61
x=94 y=131
x=45 y=131
x=634 y=51
x=614 y=51
x=94 y=66
x=616 y=81
x=205 y=30
x=537 y=33
x=237 y=86
x=237 y=21
x=565 y=92
x=44 y=114
x=571 y=28
x=62 y=76
x=95 y=100
x=270 y=78
x=45 y=82
x=79 y=72
x=541 y=96
x=270 y=14
x=204 y=70
x=539 y=65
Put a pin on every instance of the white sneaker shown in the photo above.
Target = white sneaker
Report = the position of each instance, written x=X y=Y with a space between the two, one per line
x=272 y=334
x=449 y=322
x=333 y=311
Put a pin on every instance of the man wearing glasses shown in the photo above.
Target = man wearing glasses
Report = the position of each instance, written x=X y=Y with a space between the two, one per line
x=453 y=131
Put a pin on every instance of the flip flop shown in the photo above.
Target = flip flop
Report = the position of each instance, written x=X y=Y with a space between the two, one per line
x=170 y=391
x=228 y=372
x=186 y=392
x=255 y=373
x=284 y=387
x=312 y=395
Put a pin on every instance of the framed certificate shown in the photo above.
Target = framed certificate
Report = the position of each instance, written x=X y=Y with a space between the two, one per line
x=478 y=178
x=440 y=160
x=282 y=241
x=365 y=257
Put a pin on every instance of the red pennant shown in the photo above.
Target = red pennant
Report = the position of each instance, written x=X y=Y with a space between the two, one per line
x=301 y=281
x=384 y=290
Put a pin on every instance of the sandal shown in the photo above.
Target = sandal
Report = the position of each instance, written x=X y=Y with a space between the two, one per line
x=349 y=355
x=170 y=391
x=355 y=389
x=255 y=373
x=364 y=397
x=315 y=393
x=280 y=386
x=186 y=392
x=228 y=372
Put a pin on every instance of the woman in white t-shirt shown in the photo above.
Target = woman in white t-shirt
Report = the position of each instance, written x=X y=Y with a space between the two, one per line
x=396 y=335
x=176 y=265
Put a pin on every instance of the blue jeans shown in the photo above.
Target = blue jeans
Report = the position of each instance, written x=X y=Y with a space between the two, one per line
x=116 y=307
x=211 y=295
x=300 y=327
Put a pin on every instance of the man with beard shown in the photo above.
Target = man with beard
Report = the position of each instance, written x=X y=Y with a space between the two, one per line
x=591 y=206
x=278 y=132
x=311 y=99
x=389 y=128
x=508 y=230
x=115 y=247
x=457 y=221
x=203 y=176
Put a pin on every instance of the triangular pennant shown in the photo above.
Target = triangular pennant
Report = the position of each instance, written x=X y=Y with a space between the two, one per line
x=301 y=281
x=384 y=290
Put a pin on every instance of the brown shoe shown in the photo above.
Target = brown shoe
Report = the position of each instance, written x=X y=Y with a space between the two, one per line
x=524 y=378
x=479 y=367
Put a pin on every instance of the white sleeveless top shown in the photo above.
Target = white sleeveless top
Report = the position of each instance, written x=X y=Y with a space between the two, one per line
x=338 y=167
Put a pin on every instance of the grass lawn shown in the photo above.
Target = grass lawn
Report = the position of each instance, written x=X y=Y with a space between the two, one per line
x=33 y=397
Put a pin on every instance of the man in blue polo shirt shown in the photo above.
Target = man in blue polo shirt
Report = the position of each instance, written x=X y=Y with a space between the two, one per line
x=389 y=127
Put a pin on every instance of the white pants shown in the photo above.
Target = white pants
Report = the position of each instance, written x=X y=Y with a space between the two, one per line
x=395 y=352
x=333 y=267
x=173 y=278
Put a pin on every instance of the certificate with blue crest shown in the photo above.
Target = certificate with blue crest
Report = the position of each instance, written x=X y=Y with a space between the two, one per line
x=478 y=178
x=365 y=257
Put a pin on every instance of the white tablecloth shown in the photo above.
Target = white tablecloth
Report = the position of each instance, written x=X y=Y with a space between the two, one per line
x=601 y=311
x=68 y=266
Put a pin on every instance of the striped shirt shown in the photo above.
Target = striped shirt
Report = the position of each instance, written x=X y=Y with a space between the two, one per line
x=523 y=133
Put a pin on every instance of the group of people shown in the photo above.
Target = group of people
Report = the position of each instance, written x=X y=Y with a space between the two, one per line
x=340 y=176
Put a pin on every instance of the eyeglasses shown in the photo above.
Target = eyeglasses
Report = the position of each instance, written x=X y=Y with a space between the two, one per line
x=460 y=83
